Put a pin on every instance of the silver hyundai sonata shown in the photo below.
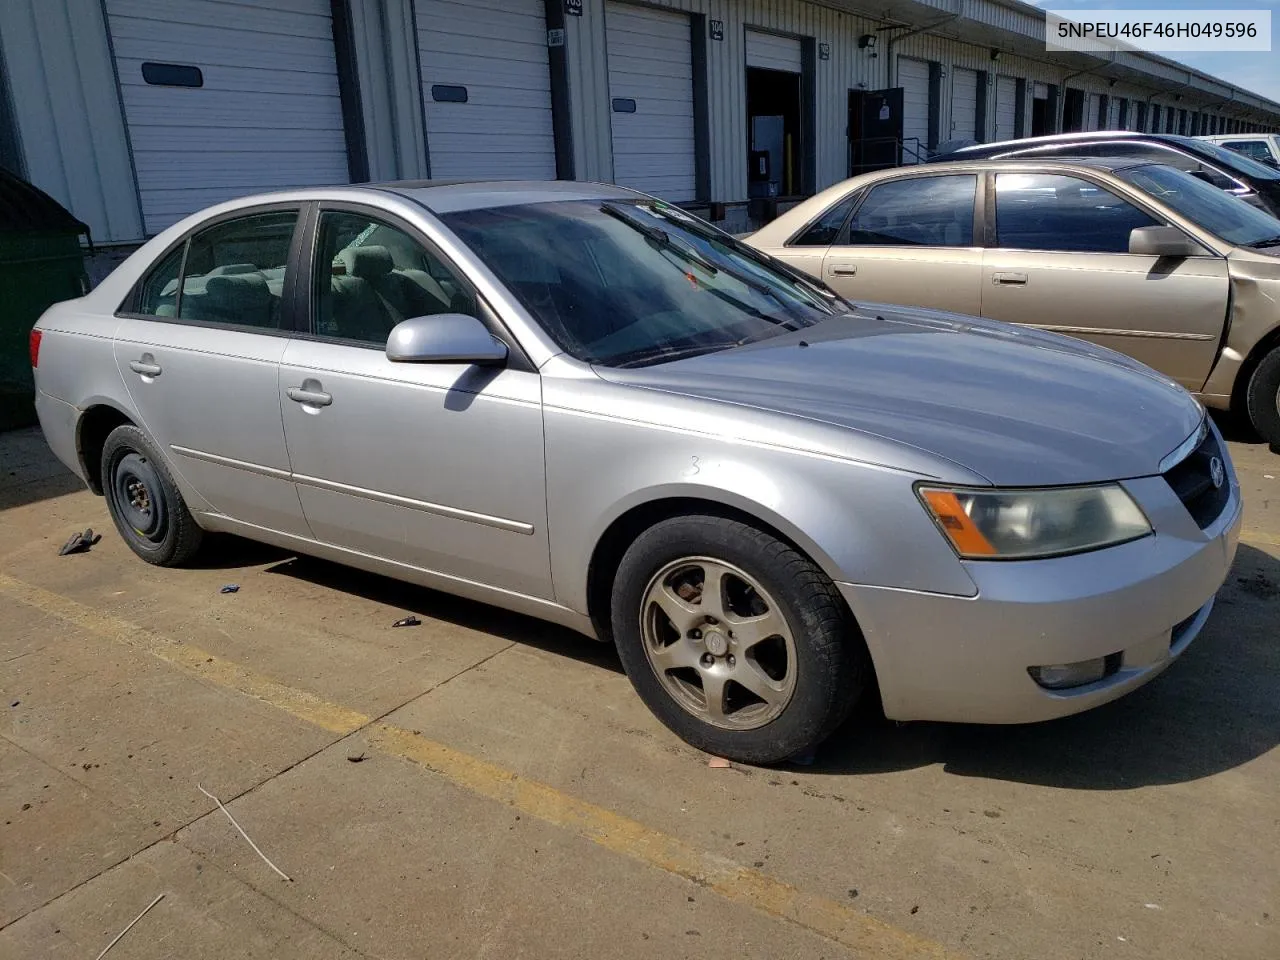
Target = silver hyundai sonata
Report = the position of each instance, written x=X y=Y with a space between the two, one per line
x=587 y=405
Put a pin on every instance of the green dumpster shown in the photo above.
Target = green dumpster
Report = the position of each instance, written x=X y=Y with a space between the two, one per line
x=41 y=262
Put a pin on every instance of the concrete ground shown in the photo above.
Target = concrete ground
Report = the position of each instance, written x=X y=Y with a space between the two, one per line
x=487 y=785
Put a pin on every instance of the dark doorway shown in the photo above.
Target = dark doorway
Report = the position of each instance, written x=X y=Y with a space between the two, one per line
x=875 y=129
x=774 y=132
x=1041 y=122
x=1073 y=111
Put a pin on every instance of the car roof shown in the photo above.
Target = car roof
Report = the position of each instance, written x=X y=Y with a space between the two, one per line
x=1107 y=164
x=451 y=196
x=1049 y=140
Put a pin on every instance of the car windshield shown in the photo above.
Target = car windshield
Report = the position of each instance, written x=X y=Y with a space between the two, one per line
x=1220 y=213
x=1231 y=159
x=635 y=282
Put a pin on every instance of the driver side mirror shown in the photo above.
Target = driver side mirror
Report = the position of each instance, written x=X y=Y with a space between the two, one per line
x=1163 y=242
x=444 y=338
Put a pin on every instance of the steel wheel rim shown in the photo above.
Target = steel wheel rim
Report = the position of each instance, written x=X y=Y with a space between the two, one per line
x=725 y=655
x=136 y=489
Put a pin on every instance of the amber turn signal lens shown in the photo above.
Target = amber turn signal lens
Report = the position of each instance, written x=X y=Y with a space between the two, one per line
x=955 y=523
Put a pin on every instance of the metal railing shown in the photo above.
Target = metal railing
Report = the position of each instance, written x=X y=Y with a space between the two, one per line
x=878 y=153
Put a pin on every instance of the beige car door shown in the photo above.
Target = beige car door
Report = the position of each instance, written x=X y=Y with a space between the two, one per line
x=911 y=241
x=1059 y=260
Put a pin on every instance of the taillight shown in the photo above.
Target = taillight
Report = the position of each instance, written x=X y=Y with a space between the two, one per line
x=34 y=344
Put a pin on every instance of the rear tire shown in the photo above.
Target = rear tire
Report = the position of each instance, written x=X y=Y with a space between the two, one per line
x=144 y=502
x=1262 y=398
x=763 y=669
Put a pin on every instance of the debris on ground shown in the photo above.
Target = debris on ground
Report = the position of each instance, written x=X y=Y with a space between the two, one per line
x=720 y=763
x=230 y=588
x=357 y=757
x=80 y=542
x=130 y=927
x=243 y=834
x=804 y=758
x=409 y=621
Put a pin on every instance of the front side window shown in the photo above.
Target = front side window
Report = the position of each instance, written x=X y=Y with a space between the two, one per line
x=1051 y=212
x=370 y=276
x=919 y=211
x=625 y=283
x=826 y=229
x=1221 y=214
x=234 y=271
x=1256 y=149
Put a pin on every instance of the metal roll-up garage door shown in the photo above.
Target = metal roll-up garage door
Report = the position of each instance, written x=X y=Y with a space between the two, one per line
x=768 y=51
x=223 y=99
x=964 y=104
x=487 y=88
x=1006 y=107
x=651 y=92
x=913 y=77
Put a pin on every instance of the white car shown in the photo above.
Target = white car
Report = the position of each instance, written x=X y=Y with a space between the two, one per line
x=1264 y=147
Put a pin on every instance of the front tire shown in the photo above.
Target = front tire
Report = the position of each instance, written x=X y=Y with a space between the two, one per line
x=144 y=502
x=736 y=641
x=1262 y=397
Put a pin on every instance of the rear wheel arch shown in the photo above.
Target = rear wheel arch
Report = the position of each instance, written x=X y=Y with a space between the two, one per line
x=95 y=425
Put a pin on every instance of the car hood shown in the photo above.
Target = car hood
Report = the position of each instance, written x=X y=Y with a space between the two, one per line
x=1018 y=406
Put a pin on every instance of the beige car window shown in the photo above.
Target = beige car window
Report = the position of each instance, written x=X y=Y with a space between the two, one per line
x=1050 y=212
x=918 y=211
x=370 y=276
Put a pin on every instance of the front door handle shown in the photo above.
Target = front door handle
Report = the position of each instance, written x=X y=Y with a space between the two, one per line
x=146 y=367
x=312 y=398
x=843 y=269
x=1009 y=279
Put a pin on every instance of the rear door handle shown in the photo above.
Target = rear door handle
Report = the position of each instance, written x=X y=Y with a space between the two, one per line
x=1009 y=279
x=146 y=367
x=843 y=269
x=312 y=398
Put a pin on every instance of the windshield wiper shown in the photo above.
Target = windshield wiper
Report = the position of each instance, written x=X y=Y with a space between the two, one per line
x=660 y=238
x=1266 y=242
x=639 y=358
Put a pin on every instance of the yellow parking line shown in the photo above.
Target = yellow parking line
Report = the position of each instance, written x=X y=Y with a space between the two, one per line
x=630 y=838
x=207 y=666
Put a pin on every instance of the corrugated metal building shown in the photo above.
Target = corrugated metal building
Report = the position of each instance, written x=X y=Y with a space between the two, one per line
x=136 y=112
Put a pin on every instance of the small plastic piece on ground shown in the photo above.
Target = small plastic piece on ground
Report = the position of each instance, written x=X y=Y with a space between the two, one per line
x=80 y=542
x=230 y=588
x=356 y=758
x=804 y=759
x=409 y=621
x=720 y=763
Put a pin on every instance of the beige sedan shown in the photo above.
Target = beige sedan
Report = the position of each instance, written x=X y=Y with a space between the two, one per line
x=1139 y=257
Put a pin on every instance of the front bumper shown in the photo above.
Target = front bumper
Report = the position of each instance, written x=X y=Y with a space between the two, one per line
x=965 y=659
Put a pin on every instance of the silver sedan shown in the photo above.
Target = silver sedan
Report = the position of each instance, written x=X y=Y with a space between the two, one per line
x=584 y=404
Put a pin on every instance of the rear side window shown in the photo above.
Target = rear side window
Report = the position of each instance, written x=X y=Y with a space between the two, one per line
x=1050 y=212
x=158 y=295
x=231 y=273
x=826 y=229
x=920 y=211
x=235 y=271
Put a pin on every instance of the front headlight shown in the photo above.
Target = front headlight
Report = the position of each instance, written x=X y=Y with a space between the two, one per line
x=984 y=524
